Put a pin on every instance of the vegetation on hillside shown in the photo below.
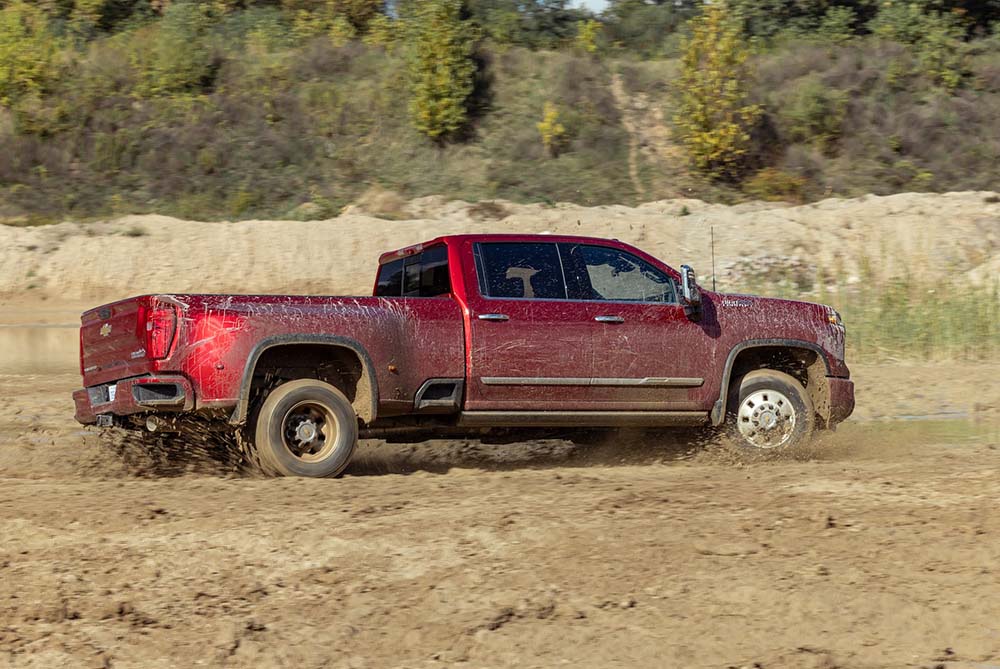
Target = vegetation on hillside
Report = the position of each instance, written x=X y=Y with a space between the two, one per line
x=252 y=108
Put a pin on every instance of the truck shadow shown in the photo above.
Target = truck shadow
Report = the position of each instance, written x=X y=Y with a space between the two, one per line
x=441 y=456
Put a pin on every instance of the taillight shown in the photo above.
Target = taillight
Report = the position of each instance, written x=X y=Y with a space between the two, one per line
x=161 y=326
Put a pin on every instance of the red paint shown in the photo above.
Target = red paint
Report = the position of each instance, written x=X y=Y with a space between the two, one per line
x=442 y=337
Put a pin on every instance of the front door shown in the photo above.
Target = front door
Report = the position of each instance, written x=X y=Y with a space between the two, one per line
x=654 y=355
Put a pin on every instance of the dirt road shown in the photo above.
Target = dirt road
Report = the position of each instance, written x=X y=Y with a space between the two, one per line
x=880 y=547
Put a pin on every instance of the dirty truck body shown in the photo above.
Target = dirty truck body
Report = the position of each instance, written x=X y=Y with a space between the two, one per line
x=468 y=334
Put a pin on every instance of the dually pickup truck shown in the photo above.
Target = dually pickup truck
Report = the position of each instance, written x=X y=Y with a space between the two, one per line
x=489 y=336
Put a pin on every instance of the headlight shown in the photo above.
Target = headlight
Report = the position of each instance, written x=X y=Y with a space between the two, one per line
x=833 y=316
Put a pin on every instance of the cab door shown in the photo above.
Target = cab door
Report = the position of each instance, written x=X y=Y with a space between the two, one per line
x=652 y=356
x=530 y=346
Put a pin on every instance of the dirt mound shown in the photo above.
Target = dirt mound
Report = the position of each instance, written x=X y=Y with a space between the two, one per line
x=881 y=236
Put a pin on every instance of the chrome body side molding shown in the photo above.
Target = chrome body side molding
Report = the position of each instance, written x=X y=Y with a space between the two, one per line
x=582 y=418
x=649 y=381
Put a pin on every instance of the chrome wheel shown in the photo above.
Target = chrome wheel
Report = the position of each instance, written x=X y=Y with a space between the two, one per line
x=766 y=419
x=309 y=431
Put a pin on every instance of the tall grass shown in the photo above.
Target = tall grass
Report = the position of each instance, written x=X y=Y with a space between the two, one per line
x=906 y=318
x=910 y=319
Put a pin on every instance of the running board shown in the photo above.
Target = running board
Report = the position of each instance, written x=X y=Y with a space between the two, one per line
x=582 y=418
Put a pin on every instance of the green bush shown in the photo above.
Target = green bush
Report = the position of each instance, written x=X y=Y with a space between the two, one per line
x=175 y=54
x=935 y=37
x=775 y=185
x=27 y=52
x=838 y=25
x=812 y=112
x=861 y=118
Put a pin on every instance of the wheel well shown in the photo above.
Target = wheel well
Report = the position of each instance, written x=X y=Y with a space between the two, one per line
x=803 y=364
x=339 y=366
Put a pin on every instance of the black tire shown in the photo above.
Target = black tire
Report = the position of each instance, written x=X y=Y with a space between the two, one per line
x=769 y=412
x=305 y=428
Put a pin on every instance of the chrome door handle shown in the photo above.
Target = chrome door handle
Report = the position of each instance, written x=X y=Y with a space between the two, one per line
x=493 y=317
x=609 y=319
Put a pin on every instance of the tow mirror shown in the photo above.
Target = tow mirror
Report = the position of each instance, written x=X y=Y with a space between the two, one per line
x=690 y=293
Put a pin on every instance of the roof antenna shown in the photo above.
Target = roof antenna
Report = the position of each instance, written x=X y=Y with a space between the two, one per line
x=712 y=229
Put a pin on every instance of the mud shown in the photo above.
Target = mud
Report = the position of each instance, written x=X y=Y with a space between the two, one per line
x=879 y=546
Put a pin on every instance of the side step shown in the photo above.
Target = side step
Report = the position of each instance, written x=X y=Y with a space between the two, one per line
x=582 y=418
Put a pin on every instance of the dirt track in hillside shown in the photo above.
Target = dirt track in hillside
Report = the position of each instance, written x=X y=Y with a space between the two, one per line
x=878 y=548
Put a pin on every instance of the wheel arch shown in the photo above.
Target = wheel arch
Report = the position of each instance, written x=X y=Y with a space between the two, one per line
x=365 y=400
x=816 y=373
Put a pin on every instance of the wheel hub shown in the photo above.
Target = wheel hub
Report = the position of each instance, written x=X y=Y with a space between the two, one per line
x=309 y=430
x=766 y=419
x=306 y=432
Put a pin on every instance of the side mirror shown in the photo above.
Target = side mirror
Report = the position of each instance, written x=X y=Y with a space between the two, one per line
x=690 y=293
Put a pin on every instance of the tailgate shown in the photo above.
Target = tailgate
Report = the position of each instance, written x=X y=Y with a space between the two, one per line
x=113 y=340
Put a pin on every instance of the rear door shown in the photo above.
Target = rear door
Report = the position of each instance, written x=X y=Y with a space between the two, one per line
x=530 y=346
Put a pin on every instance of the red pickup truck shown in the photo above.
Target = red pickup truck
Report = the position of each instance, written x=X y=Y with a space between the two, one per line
x=476 y=335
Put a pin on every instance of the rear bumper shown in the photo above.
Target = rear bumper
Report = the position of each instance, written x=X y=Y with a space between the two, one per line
x=841 y=399
x=135 y=395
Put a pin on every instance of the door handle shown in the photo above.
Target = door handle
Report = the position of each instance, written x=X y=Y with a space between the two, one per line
x=609 y=319
x=493 y=317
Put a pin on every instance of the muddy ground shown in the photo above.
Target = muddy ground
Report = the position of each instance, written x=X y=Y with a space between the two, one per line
x=877 y=547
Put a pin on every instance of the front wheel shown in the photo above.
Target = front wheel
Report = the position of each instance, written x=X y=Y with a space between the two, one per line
x=305 y=428
x=770 y=411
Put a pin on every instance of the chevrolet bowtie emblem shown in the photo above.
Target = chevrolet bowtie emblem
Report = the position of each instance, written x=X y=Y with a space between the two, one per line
x=106 y=329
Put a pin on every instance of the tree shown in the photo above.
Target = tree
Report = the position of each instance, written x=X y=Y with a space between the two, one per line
x=441 y=67
x=934 y=37
x=326 y=13
x=586 y=35
x=545 y=24
x=768 y=18
x=644 y=27
x=713 y=113
x=27 y=51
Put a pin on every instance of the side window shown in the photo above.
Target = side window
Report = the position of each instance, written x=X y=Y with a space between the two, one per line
x=603 y=273
x=515 y=269
x=422 y=275
x=435 y=280
x=390 y=279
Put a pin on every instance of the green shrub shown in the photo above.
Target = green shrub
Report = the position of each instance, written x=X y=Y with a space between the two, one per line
x=775 y=185
x=813 y=112
x=935 y=37
x=837 y=26
x=174 y=55
x=27 y=52
x=552 y=131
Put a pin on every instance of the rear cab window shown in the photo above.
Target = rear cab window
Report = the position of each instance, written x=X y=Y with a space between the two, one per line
x=424 y=274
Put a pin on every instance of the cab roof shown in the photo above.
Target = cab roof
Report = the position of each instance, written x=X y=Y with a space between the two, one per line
x=389 y=256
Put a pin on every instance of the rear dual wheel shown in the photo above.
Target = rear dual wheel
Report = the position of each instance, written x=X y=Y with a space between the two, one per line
x=305 y=427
